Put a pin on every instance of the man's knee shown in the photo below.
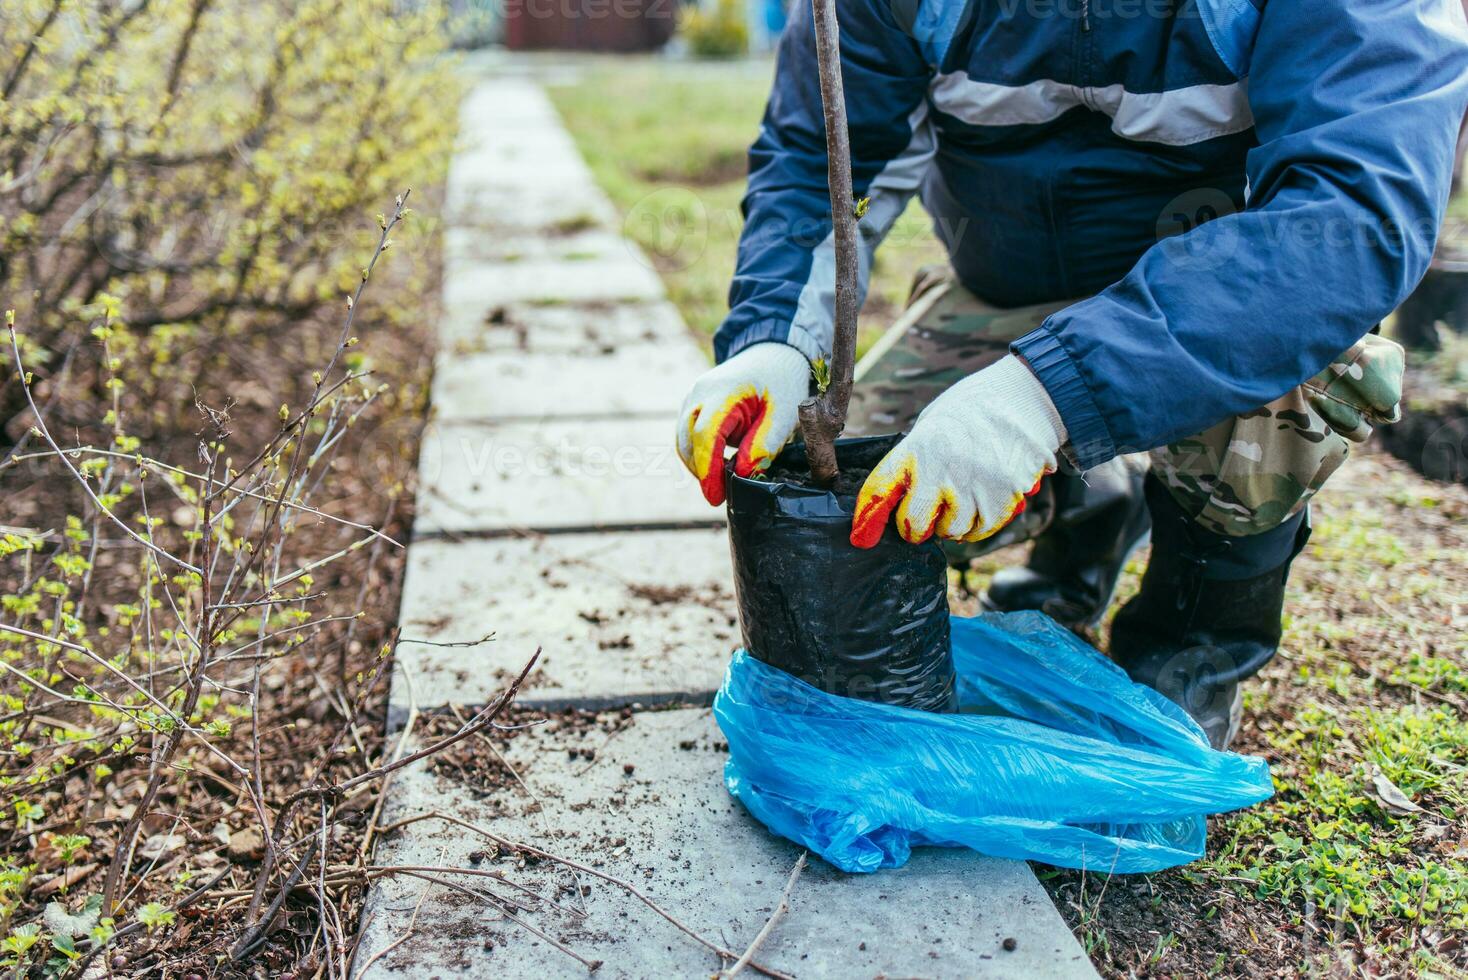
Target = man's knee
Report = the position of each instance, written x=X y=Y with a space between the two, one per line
x=1241 y=486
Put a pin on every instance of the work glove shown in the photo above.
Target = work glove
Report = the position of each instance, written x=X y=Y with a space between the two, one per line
x=968 y=464
x=750 y=401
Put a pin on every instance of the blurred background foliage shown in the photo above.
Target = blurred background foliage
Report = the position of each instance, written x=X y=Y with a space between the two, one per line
x=213 y=164
x=719 y=30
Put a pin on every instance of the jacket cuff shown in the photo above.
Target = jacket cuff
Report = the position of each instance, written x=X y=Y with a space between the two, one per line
x=1090 y=440
x=766 y=331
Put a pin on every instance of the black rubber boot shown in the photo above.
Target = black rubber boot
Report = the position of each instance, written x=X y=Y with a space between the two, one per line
x=1075 y=563
x=1208 y=613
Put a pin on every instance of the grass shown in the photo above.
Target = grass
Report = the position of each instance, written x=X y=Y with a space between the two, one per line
x=1327 y=877
x=1373 y=673
x=1328 y=841
x=668 y=143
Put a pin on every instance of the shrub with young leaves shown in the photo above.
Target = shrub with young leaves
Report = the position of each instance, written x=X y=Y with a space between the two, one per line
x=186 y=199
x=207 y=162
x=135 y=639
x=715 y=29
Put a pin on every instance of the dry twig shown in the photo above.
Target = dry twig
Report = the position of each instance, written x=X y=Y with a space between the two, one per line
x=626 y=886
x=769 y=926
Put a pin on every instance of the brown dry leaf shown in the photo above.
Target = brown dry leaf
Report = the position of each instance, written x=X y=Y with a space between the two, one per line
x=1392 y=799
x=120 y=814
x=208 y=859
x=72 y=876
x=160 y=844
x=246 y=844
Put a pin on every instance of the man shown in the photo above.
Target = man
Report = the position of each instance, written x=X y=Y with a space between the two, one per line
x=1302 y=150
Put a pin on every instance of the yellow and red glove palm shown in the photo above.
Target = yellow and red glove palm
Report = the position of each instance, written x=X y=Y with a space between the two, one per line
x=751 y=402
x=973 y=457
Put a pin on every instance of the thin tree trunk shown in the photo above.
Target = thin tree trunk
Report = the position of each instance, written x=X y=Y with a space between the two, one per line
x=823 y=417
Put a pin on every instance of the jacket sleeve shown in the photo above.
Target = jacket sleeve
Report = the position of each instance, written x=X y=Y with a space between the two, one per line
x=784 y=280
x=1356 y=106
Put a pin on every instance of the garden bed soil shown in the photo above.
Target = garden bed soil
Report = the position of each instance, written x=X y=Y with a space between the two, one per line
x=305 y=702
x=1432 y=436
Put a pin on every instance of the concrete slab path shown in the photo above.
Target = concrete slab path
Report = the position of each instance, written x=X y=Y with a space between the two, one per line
x=553 y=513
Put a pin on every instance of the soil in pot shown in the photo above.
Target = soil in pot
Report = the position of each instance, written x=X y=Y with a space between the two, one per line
x=862 y=623
x=848 y=482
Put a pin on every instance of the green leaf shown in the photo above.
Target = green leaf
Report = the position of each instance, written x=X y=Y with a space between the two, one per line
x=155 y=916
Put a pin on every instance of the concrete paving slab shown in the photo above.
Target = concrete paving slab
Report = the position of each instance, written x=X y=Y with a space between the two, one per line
x=650 y=808
x=562 y=327
x=483 y=286
x=469 y=247
x=644 y=379
x=534 y=134
x=504 y=103
x=550 y=207
x=512 y=143
x=509 y=143
x=510 y=152
x=558 y=474
x=627 y=618
x=509 y=163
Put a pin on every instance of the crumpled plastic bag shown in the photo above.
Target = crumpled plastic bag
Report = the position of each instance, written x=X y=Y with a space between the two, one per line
x=1055 y=756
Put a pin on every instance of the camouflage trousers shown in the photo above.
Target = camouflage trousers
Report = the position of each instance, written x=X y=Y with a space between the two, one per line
x=1245 y=475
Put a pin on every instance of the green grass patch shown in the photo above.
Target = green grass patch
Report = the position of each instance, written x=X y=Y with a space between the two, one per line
x=669 y=144
x=1435 y=674
x=1328 y=845
x=1359 y=536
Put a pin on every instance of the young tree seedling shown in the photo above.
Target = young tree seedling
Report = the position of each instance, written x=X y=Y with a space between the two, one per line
x=823 y=416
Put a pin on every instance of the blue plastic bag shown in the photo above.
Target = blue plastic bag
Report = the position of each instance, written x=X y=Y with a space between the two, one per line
x=1055 y=756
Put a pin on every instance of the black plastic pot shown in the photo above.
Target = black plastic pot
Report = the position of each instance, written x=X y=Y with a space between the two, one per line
x=861 y=623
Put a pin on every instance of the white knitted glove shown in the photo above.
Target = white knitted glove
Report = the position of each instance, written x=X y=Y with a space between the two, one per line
x=972 y=457
x=750 y=401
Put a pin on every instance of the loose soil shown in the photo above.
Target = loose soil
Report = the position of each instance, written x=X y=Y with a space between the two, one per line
x=848 y=481
x=306 y=700
x=1432 y=437
x=857 y=459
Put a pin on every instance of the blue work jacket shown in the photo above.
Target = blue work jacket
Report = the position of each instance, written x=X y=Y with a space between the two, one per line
x=1232 y=191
